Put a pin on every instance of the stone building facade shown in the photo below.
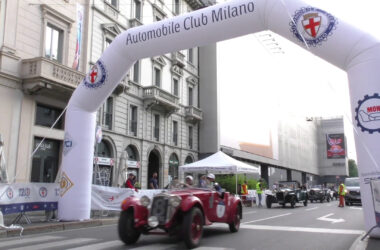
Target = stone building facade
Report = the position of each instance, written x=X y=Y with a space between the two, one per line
x=150 y=123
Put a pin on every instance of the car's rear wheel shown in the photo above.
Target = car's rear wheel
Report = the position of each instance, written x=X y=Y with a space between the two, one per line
x=268 y=201
x=192 y=228
x=235 y=225
x=127 y=232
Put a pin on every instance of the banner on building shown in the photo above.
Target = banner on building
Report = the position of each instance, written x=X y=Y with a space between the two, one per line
x=26 y=197
x=335 y=146
x=80 y=11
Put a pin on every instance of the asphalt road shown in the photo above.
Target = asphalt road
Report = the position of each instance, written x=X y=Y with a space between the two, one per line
x=317 y=226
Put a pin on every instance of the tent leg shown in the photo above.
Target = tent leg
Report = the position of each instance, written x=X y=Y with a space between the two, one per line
x=236 y=184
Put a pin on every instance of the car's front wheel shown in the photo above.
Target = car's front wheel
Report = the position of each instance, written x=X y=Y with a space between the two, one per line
x=293 y=202
x=305 y=203
x=127 y=233
x=235 y=225
x=269 y=202
x=192 y=228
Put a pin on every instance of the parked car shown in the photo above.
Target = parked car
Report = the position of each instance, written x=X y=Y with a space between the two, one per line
x=318 y=193
x=352 y=191
x=287 y=192
x=182 y=211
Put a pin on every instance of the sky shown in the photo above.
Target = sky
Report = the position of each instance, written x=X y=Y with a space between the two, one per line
x=296 y=84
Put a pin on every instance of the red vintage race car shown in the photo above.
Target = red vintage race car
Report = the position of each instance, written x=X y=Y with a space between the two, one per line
x=181 y=212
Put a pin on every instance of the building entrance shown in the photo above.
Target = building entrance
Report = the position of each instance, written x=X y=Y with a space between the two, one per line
x=154 y=166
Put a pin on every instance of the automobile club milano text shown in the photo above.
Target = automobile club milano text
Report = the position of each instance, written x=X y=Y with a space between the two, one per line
x=191 y=22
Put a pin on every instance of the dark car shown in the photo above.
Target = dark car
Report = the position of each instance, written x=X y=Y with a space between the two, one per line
x=181 y=212
x=287 y=192
x=318 y=193
x=352 y=191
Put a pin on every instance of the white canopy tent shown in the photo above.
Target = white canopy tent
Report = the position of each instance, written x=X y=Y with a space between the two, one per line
x=219 y=163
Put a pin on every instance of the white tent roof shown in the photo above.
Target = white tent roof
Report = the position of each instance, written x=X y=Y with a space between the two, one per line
x=219 y=163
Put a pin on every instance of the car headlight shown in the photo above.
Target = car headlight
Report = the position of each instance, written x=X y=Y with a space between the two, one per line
x=153 y=221
x=175 y=201
x=145 y=201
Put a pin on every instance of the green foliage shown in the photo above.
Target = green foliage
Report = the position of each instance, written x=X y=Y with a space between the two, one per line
x=228 y=182
x=352 y=168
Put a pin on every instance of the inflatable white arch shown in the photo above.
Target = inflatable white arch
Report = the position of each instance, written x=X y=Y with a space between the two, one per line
x=335 y=41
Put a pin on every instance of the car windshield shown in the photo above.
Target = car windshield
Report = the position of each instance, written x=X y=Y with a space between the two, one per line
x=288 y=185
x=352 y=182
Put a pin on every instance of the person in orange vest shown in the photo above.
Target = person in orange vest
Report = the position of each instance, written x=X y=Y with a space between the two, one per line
x=341 y=193
x=244 y=188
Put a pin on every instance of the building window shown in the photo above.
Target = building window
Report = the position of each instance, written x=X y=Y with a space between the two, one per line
x=190 y=137
x=53 y=43
x=137 y=9
x=46 y=116
x=157 y=77
x=158 y=18
x=191 y=96
x=175 y=133
x=108 y=113
x=45 y=160
x=177 y=7
x=114 y=3
x=107 y=42
x=175 y=87
x=156 y=128
x=136 y=72
x=191 y=55
x=133 y=121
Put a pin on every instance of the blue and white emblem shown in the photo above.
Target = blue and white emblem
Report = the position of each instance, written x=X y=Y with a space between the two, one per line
x=312 y=25
x=96 y=77
x=220 y=209
x=368 y=113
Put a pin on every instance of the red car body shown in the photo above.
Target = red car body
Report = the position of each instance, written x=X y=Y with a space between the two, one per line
x=181 y=211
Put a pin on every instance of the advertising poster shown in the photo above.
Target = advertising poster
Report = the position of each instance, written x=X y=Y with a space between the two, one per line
x=335 y=146
x=375 y=185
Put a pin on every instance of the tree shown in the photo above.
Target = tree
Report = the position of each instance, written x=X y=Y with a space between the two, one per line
x=352 y=168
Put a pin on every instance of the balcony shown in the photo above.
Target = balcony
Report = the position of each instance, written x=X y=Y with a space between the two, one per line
x=158 y=99
x=193 y=114
x=41 y=73
x=134 y=22
x=122 y=87
x=178 y=59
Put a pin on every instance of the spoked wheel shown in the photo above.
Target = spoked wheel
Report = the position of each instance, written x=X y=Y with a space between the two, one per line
x=235 y=225
x=192 y=229
x=293 y=202
x=305 y=203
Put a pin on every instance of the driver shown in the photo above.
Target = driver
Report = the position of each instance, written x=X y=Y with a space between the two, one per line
x=189 y=181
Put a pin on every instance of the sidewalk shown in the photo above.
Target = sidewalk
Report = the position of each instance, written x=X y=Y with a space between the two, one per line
x=40 y=224
x=366 y=244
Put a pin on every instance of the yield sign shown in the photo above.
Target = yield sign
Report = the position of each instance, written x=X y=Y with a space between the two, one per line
x=332 y=220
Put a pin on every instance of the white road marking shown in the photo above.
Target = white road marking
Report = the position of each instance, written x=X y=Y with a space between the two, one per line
x=296 y=229
x=28 y=240
x=268 y=218
x=324 y=218
x=56 y=244
x=102 y=245
x=252 y=212
x=358 y=208
x=313 y=208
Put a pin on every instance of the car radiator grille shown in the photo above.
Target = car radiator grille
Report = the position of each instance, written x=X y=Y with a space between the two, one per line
x=280 y=196
x=354 y=193
x=159 y=209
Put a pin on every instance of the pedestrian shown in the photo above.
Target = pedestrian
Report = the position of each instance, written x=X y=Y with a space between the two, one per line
x=259 y=191
x=130 y=183
x=153 y=182
x=341 y=193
